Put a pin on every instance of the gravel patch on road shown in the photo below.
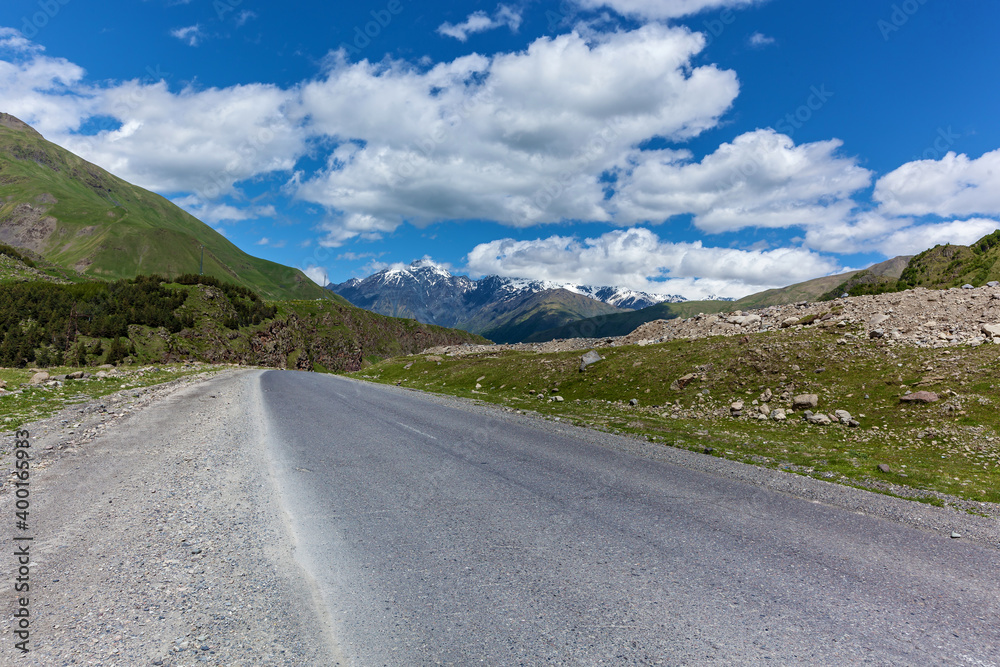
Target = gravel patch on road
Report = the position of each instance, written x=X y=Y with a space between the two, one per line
x=161 y=541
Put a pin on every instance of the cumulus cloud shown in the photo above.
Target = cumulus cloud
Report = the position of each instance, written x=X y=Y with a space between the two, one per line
x=761 y=179
x=955 y=185
x=521 y=138
x=637 y=258
x=192 y=35
x=481 y=22
x=664 y=9
x=892 y=236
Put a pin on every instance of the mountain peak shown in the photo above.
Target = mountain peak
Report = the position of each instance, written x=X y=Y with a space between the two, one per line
x=12 y=123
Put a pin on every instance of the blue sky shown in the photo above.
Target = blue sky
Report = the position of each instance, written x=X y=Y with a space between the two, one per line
x=693 y=147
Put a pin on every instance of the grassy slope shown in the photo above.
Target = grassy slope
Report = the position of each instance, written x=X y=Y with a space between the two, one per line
x=955 y=265
x=107 y=228
x=950 y=447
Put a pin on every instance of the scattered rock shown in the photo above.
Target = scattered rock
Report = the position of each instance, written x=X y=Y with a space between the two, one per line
x=408 y=366
x=766 y=396
x=805 y=401
x=558 y=399
x=818 y=418
x=590 y=359
x=920 y=397
x=39 y=378
x=876 y=333
x=736 y=409
x=634 y=402
x=843 y=416
x=682 y=382
x=991 y=330
x=789 y=322
x=955 y=535
x=884 y=467
x=778 y=415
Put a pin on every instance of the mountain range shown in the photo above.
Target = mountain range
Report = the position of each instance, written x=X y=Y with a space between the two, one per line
x=501 y=309
x=508 y=310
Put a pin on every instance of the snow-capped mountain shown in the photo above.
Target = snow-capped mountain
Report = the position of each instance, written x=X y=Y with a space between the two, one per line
x=428 y=293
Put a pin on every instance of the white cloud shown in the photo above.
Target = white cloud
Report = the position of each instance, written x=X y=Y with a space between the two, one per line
x=892 y=236
x=664 y=9
x=638 y=259
x=317 y=274
x=521 y=138
x=481 y=22
x=915 y=239
x=264 y=241
x=760 y=40
x=216 y=212
x=953 y=186
x=13 y=40
x=192 y=34
x=761 y=179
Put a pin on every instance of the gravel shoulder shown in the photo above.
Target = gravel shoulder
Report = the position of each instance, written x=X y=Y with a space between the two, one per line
x=162 y=540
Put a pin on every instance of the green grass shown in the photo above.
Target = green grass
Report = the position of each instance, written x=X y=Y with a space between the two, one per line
x=950 y=447
x=38 y=402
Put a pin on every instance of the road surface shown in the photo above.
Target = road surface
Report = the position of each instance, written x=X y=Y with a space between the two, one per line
x=442 y=535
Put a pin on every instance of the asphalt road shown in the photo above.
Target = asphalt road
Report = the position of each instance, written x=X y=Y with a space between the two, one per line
x=441 y=535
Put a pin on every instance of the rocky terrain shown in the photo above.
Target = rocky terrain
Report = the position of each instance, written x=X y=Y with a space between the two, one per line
x=920 y=317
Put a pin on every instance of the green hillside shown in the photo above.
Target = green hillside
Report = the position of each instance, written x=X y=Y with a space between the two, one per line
x=946 y=266
x=145 y=320
x=80 y=217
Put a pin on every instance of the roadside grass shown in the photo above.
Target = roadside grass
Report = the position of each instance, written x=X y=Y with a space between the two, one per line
x=21 y=405
x=950 y=447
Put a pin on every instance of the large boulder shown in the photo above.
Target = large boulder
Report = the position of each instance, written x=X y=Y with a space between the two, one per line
x=589 y=359
x=991 y=330
x=805 y=401
x=920 y=397
x=39 y=378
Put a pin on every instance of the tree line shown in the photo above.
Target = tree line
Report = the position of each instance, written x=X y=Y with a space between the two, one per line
x=43 y=323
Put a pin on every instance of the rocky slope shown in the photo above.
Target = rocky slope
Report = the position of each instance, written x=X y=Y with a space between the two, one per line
x=920 y=317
